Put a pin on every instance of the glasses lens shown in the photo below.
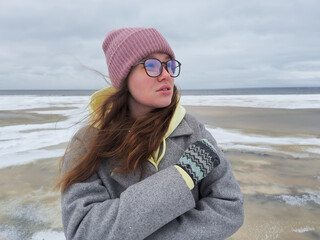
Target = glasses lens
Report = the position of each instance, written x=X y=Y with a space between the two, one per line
x=153 y=67
x=173 y=67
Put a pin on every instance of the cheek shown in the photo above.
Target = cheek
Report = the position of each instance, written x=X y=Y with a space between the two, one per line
x=138 y=83
x=140 y=95
x=140 y=89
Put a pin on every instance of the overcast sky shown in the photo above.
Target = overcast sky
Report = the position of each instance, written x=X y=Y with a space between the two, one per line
x=221 y=44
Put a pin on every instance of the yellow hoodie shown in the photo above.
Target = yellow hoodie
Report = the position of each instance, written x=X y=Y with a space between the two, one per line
x=99 y=97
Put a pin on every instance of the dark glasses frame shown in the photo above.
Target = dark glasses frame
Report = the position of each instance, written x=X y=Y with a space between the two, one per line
x=162 y=63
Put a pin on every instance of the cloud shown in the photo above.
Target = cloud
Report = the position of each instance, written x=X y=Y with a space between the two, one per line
x=221 y=44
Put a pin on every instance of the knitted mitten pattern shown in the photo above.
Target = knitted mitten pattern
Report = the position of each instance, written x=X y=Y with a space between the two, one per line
x=199 y=159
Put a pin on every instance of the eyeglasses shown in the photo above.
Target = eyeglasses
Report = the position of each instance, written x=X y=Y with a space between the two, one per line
x=154 y=67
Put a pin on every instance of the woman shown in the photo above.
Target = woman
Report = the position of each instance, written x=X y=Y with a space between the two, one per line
x=143 y=168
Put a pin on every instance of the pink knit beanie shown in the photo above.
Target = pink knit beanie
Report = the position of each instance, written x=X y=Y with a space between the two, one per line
x=127 y=46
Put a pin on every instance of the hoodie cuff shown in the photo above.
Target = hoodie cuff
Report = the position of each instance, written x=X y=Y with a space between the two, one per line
x=186 y=177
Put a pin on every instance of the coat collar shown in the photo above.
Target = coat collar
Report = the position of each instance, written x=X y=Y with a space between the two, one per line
x=182 y=129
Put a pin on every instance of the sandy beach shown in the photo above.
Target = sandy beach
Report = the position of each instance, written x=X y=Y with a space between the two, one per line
x=281 y=185
x=268 y=178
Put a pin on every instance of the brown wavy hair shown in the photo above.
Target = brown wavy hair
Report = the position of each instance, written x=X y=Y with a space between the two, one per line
x=125 y=141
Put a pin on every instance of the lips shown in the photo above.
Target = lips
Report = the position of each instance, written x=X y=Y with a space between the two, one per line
x=164 y=88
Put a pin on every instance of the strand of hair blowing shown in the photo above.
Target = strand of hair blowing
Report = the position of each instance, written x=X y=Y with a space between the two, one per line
x=126 y=142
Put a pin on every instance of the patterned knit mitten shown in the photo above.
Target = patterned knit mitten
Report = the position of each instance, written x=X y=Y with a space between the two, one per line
x=199 y=159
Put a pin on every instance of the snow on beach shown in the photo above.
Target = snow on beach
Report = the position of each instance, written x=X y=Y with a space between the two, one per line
x=29 y=141
x=24 y=143
x=21 y=102
x=235 y=140
x=294 y=101
x=300 y=200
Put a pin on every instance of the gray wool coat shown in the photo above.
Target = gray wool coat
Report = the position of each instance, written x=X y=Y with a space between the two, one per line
x=161 y=206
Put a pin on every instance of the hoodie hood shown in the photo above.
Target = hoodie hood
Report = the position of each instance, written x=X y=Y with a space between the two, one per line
x=96 y=101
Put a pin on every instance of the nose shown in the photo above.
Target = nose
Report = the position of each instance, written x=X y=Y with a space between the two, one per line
x=164 y=75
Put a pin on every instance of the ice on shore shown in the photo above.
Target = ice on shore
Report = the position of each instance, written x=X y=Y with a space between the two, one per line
x=300 y=200
x=20 y=144
x=302 y=230
x=36 y=215
x=255 y=101
x=12 y=233
x=236 y=140
x=48 y=235
x=292 y=101
x=25 y=143
x=22 y=102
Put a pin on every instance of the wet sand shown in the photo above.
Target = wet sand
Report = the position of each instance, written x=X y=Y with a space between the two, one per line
x=264 y=120
x=17 y=117
x=28 y=204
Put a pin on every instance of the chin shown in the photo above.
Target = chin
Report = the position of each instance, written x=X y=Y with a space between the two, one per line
x=164 y=102
x=163 y=105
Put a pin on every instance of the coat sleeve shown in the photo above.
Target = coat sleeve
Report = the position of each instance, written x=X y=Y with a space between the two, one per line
x=218 y=212
x=89 y=211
